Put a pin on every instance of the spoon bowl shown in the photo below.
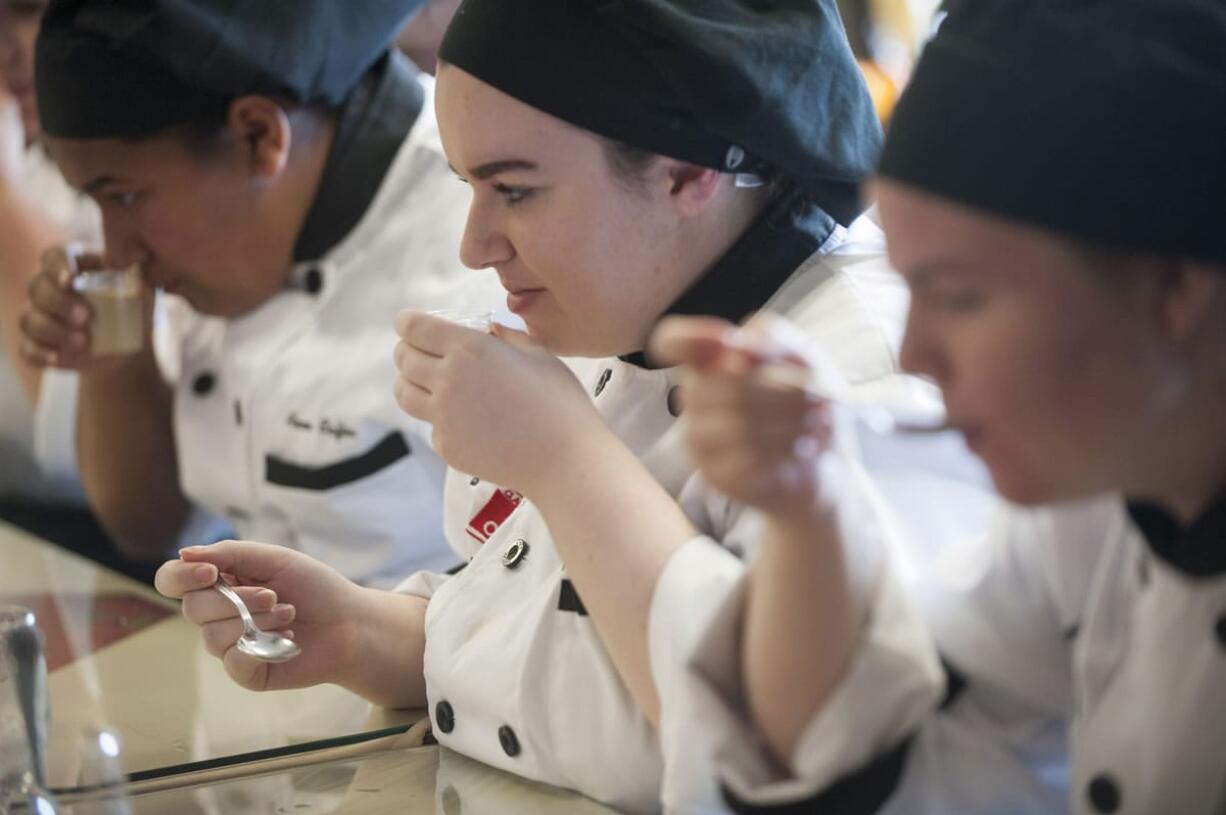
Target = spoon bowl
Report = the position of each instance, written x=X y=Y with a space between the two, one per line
x=256 y=643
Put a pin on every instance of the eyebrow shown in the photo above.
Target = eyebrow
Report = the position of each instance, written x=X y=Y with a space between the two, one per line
x=493 y=168
x=98 y=183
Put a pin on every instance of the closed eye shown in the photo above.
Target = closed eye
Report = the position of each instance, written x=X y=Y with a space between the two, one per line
x=512 y=195
x=123 y=199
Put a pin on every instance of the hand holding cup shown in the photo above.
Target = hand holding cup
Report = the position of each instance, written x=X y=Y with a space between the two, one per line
x=79 y=314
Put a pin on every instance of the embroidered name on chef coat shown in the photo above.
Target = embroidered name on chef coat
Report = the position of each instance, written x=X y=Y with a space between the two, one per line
x=337 y=429
x=496 y=510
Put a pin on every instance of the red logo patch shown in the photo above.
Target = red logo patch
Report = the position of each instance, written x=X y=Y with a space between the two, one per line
x=496 y=510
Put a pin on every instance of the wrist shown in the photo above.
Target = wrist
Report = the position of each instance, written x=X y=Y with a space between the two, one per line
x=362 y=623
x=802 y=522
x=577 y=454
x=385 y=645
x=129 y=370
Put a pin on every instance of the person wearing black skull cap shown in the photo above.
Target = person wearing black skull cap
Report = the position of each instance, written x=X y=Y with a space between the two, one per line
x=274 y=167
x=1053 y=188
x=627 y=160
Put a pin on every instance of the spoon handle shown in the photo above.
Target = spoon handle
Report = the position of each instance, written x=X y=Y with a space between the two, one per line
x=878 y=418
x=231 y=595
x=25 y=644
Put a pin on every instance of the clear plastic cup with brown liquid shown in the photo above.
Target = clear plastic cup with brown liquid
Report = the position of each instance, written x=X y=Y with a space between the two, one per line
x=115 y=297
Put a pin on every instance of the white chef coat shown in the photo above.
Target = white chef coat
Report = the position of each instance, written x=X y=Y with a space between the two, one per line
x=516 y=675
x=284 y=418
x=1088 y=675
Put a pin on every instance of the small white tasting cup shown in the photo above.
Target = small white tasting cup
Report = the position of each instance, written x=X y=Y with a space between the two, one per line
x=115 y=297
x=478 y=320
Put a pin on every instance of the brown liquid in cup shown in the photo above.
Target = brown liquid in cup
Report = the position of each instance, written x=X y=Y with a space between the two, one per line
x=118 y=326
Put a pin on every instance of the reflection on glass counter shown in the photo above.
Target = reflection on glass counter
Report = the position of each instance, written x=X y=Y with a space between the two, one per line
x=121 y=658
x=416 y=781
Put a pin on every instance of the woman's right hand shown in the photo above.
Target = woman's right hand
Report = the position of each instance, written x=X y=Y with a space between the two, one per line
x=754 y=436
x=56 y=323
x=287 y=592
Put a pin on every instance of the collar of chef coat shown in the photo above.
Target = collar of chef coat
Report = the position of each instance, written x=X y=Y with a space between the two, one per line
x=788 y=232
x=372 y=126
x=1198 y=550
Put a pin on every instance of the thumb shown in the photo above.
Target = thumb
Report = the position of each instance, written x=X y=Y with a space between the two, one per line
x=249 y=561
x=515 y=338
x=695 y=341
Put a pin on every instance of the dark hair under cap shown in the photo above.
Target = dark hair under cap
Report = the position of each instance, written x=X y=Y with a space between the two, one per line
x=128 y=68
x=728 y=84
x=1104 y=120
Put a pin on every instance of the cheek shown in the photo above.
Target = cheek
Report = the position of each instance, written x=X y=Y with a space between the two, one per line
x=195 y=226
x=168 y=234
x=1054 y=397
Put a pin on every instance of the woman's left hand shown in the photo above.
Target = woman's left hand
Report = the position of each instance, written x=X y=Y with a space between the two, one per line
x=503 y=408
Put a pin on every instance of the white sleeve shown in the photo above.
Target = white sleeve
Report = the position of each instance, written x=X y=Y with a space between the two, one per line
x=894 y=681
x=55 y=429
x=1001 y=612
x=421 y=584
x=690 y=593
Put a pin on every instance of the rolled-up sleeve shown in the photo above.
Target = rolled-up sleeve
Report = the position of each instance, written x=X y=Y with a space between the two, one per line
x=55 y=422
x=893 y=683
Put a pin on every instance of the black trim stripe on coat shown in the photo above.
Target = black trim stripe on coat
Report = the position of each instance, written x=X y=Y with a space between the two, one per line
x=568 y=599
x=863 y=792
x=286 y=474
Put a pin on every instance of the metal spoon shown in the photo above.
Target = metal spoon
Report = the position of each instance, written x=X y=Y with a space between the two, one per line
x=881 y=419
x=254 y=642
x=887 y=422
x=25 y=643
x=884 y=420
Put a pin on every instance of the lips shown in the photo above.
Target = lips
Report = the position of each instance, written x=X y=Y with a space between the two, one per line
x=519 y=301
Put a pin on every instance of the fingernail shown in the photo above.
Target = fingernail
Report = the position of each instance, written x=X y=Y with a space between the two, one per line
x=266 y=598
x=203 y=573
x=80 y=315
x=65 y=277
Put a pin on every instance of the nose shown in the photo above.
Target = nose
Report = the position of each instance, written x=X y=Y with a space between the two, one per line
x=484 y=244
x=123 y=245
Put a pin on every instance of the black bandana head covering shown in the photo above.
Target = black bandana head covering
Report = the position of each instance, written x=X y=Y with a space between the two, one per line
x=128 y=68
x=736 y=85
x=1104 y=120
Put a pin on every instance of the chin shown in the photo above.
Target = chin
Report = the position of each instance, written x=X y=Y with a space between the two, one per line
x=1033 y=489
x=559 y=341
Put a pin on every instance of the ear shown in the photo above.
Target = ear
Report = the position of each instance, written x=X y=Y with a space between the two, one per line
x=1191 y=294
x=692 y=187
x=262 y=129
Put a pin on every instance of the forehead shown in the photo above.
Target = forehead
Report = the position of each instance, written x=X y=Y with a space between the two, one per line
x=916 y=221
x=920 y=226
x=479 y=123
x=931 y=238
